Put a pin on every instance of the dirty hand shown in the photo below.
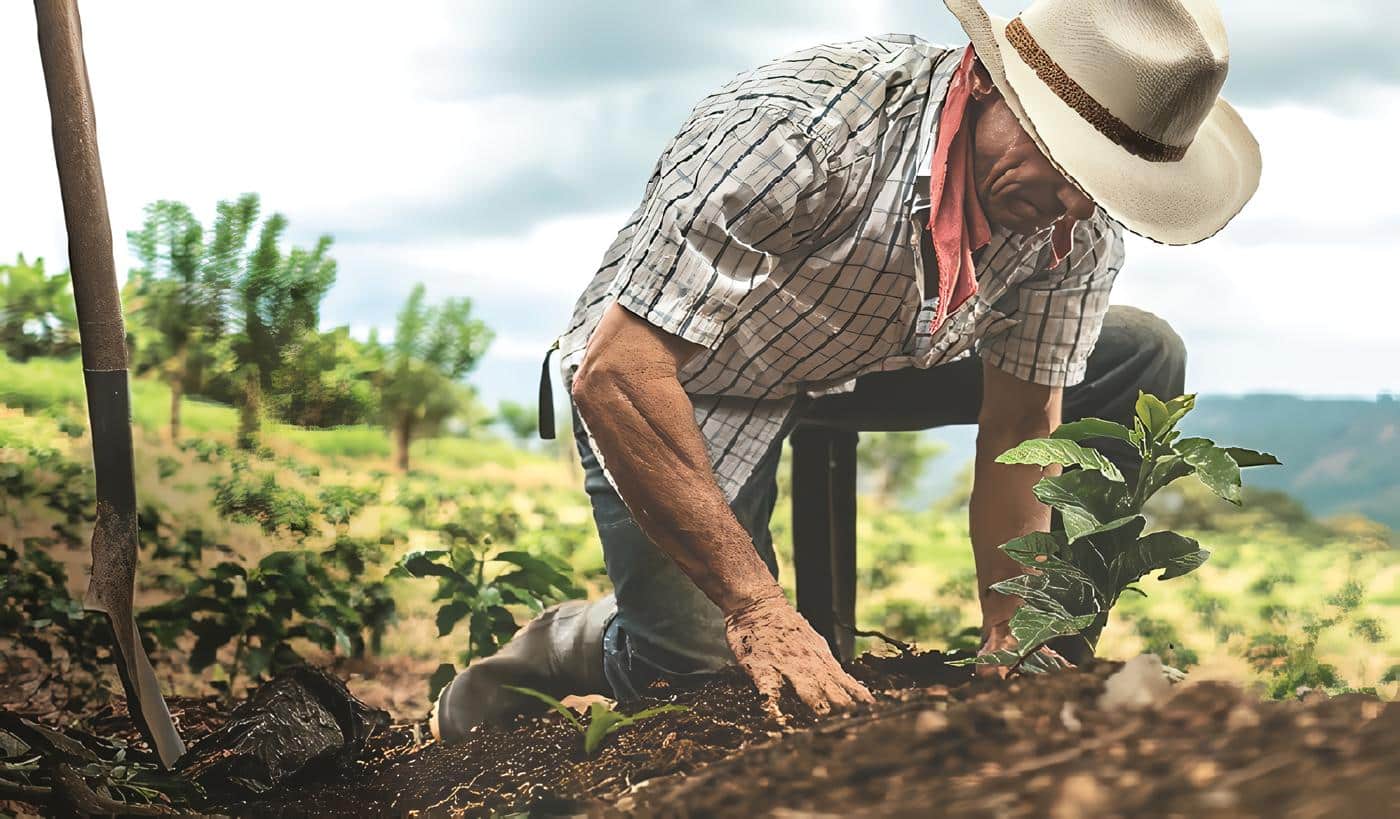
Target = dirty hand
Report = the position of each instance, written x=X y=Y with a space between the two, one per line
x=998 y=636
x=776 y=646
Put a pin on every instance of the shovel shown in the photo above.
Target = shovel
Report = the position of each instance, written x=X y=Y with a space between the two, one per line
x=103 y=338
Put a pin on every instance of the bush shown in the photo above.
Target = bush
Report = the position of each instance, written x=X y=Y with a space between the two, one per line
x=260 y=500
x=263 y=611
x=468 y=592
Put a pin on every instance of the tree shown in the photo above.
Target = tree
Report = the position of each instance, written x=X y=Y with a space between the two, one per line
x=325 y=380
x=37 y=316
x=179 y=296
x=521 y=420
x=897 y=459
x=433 y=348
x=277 y=299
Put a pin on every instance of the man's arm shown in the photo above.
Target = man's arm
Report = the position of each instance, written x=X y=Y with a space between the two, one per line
x=643 y=425
x=1003 y=506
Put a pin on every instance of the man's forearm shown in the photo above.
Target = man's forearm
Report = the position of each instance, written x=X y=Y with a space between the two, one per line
x=1002 y=508
x=643 y=425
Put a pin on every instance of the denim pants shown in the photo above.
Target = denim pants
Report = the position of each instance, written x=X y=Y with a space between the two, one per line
x=666 y=627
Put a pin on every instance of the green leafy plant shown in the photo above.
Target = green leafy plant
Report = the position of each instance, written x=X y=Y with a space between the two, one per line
x=258 y=499
x=468 y=590
x=40 y=618
x=1077 y=573
x=603 y=721
x=1289 y=662
x=264 y=610
x=341 y=503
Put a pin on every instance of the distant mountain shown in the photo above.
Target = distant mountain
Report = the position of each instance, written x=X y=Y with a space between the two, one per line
x=1339 y=455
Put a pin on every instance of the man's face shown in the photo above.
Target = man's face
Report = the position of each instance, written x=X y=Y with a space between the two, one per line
x=1018 y=187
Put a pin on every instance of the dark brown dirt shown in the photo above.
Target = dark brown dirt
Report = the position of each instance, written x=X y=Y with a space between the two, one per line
x=937 y=743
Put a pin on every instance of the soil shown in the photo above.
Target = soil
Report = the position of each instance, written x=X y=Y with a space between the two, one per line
x=937 y=742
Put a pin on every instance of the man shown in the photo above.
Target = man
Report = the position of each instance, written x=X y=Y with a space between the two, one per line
x=885 y=235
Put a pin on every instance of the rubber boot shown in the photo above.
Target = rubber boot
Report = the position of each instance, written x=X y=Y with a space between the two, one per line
x=559 y=653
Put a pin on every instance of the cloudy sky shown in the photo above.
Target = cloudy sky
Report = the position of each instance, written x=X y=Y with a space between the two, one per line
x=491 y=149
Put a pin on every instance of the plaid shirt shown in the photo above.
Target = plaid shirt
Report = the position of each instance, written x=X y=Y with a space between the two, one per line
x=780 y=231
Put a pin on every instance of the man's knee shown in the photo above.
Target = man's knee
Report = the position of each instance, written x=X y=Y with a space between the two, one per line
x=1149 y=348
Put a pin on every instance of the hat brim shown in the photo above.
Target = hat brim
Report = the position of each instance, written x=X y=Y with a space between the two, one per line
x=1175 y=203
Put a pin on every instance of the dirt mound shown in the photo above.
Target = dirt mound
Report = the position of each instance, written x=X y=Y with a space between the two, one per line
x=937 y=742
x=1030 y=746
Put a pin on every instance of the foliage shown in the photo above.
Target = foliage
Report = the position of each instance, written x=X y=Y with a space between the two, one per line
x=466 y=590
x=37 y=313
x=60 y=483
x=325 y=380
x=896 y=459
x=1077 y=573
x=1290 y=663
x=433 y=348
x=521 y=420
x=245 y=497
x=38 y=614
x=179 y=297
x=341 y=503
x=263 y=610
x=603 y=721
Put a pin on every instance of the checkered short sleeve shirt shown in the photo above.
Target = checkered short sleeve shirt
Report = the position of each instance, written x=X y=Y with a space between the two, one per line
x=780 y=231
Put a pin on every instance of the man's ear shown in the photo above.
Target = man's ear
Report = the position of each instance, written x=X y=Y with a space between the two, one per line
x=981 y=83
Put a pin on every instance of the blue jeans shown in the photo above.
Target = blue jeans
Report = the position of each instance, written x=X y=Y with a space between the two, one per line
x=666 y=627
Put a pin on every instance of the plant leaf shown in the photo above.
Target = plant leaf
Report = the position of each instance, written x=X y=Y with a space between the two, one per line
x=559 y=707
x=1175 y=553
x=1092 y=428
x=449 y=615
x=1047 y=451
x=1154 y=414
x=1248 y=457
x=602 y=721
x=1084 y=497
x=441 y=677
x=1178 y=407
x=1213 y=466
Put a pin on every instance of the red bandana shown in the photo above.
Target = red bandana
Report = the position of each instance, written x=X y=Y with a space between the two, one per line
x=956 y=220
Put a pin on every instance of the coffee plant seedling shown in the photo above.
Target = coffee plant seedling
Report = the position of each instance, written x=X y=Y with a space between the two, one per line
x=467 y=591
x=288 y=596
x=603 y=721
x=1076 y=573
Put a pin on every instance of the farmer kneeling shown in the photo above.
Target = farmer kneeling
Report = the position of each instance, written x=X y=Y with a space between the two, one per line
x=880 y=234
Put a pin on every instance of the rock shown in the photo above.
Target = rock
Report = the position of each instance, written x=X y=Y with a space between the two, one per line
x=1067 y=717
x=1140 y=683
x=930 y=722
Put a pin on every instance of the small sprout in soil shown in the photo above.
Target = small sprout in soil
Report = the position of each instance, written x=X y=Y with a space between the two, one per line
x=603 y=721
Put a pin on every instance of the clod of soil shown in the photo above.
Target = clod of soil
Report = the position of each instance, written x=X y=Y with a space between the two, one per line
x=302 y=722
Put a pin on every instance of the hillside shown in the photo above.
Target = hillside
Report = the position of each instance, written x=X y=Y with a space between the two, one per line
x=1340 y=456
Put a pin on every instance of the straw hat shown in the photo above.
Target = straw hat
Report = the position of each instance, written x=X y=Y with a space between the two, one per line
x=1123 y=96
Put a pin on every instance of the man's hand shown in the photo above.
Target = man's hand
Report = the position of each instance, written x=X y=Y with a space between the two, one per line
x=775 y=645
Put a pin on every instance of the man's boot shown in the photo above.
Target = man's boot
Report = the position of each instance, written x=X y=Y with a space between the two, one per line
x=558 y=653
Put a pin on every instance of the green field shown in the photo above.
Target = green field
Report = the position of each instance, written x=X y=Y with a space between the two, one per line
x=1274 y=579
